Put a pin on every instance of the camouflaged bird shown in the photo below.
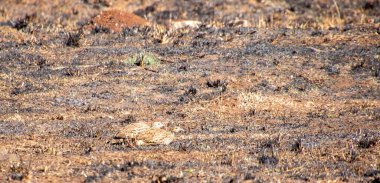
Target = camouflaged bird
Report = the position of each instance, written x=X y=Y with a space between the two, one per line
x=140 y=134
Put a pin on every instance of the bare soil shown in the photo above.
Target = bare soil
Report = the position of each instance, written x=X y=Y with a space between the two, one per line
x=285 y=90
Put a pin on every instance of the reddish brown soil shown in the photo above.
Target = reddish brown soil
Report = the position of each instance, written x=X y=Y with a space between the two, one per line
x=116 y=21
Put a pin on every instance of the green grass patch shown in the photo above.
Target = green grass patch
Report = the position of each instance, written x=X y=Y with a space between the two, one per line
x=142 y=59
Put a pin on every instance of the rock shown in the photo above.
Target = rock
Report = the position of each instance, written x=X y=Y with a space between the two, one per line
x=115 y=21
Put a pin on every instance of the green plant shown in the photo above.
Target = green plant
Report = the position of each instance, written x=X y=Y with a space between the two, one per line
x=143 y=59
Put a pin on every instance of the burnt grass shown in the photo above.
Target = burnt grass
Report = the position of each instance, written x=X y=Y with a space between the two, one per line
x=294 y=95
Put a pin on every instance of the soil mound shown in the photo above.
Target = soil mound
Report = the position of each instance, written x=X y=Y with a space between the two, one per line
x=116 y=20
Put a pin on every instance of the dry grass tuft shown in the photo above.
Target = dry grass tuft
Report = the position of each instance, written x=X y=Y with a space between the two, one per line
x=276 y=105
